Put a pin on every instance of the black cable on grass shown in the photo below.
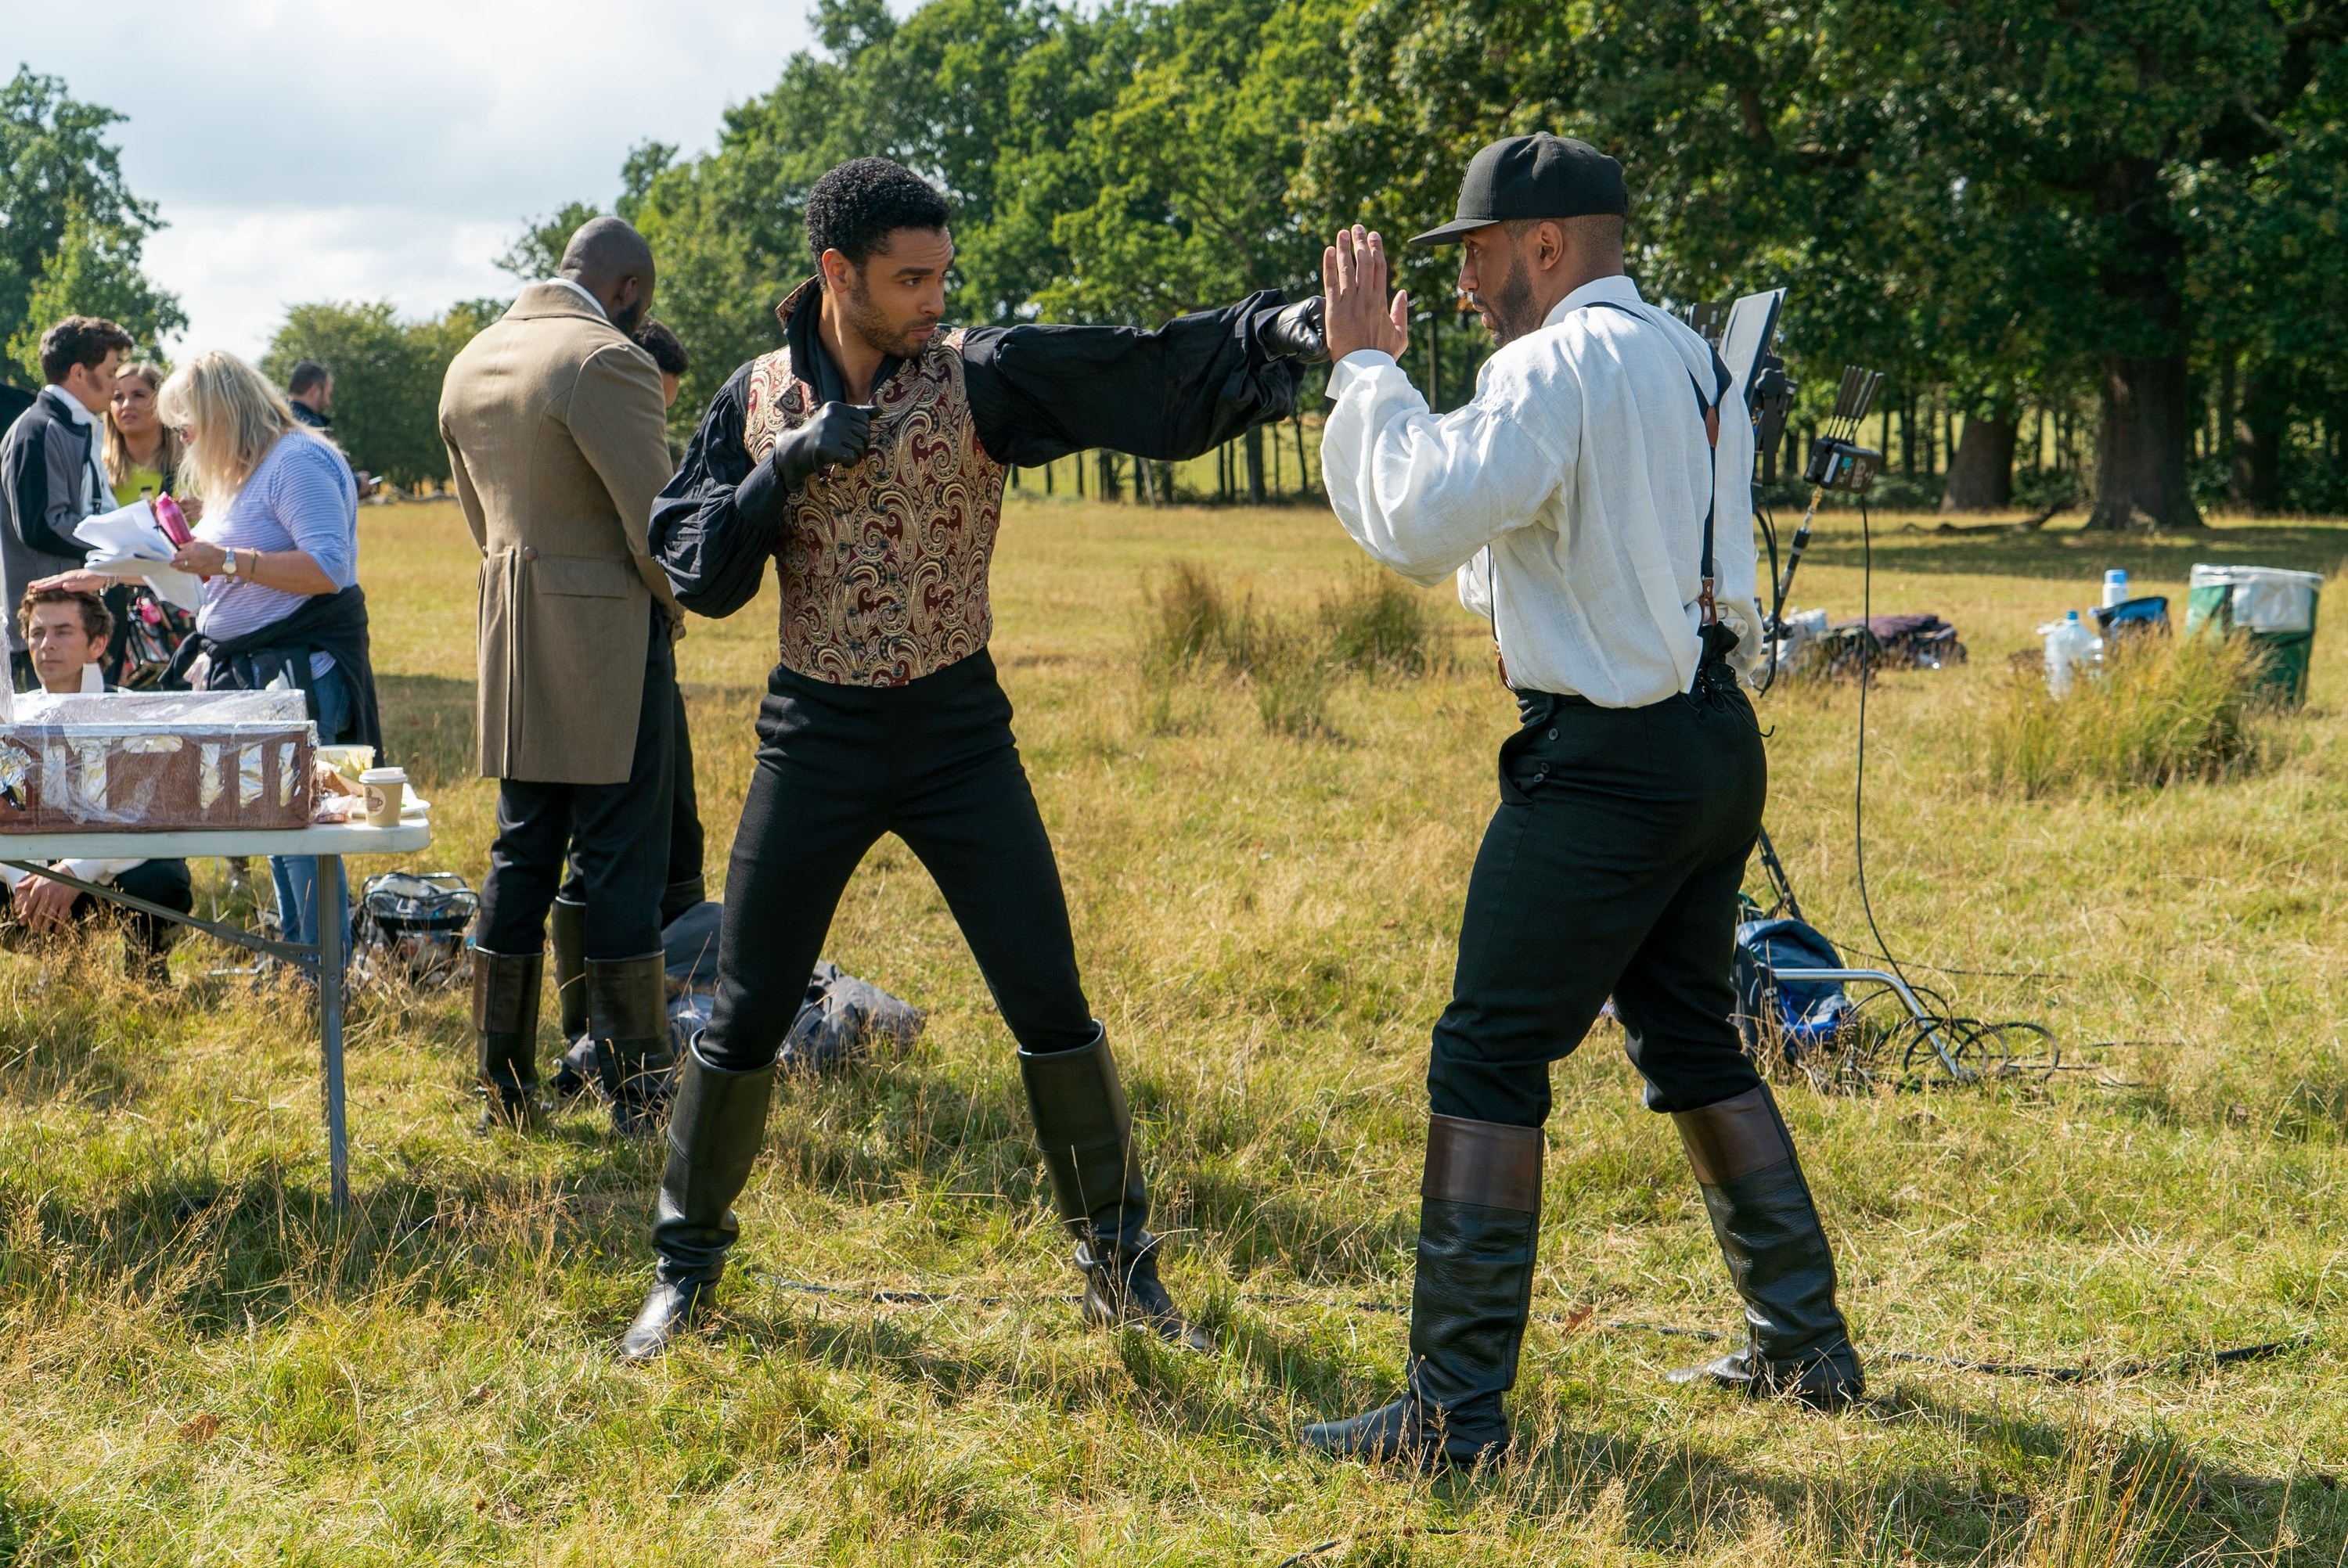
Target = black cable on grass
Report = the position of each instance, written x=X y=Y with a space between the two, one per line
x=2182 y=1365
x=1859 y=784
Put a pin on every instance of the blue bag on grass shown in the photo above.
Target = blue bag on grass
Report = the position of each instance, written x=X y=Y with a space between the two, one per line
x=1800 y=1013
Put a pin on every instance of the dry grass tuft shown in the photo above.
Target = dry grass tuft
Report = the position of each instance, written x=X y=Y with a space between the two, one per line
x=2163 y=711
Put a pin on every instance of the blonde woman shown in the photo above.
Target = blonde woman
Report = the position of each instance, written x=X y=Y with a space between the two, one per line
x=278 y=551
x=144 y=457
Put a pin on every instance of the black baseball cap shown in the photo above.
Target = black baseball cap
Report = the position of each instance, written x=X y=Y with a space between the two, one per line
x=1536 y=175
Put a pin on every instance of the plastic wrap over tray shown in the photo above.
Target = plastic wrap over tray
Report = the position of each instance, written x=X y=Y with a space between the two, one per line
x=156 y=762
x=178 y=710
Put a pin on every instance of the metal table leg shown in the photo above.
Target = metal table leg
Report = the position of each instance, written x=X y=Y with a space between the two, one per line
x=334 y=927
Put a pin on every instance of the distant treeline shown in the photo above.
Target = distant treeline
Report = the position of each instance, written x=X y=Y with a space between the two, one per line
x=2096 y=245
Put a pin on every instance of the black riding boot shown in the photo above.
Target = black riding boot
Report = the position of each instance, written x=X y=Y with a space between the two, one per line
x=1478 y=1230
x=1777 y=1254
x=1086 y=1135
x=713 y=1133
x=505 y=1034
x=627 y=1008
x=567 y=928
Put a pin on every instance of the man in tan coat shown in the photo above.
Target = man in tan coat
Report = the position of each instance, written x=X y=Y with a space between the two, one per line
x=554 y=421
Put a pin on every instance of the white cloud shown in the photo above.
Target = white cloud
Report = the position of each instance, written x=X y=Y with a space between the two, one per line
x=331 y=151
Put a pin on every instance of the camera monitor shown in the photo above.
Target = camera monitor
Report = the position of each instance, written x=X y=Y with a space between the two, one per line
x=1751 y=327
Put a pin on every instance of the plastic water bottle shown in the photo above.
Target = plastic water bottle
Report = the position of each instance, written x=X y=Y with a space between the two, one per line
x=2116 y=587
x=2070 y=648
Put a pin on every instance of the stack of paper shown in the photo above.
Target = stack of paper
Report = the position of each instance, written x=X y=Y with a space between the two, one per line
x=130 y=542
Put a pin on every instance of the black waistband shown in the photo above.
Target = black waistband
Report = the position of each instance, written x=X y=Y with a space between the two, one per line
x=939 y=685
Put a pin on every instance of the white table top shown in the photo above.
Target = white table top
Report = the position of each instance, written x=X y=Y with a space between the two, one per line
x=327 y=838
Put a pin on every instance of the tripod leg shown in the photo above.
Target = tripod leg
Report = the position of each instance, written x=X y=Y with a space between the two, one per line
x=1777 y=878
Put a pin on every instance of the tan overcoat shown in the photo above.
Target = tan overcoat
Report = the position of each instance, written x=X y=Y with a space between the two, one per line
x=554 y=427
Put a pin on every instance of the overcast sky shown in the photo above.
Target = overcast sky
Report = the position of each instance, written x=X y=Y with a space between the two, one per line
x=371 y=150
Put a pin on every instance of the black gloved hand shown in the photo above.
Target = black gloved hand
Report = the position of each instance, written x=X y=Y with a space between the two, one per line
x=1296 y=332
x=835 y=437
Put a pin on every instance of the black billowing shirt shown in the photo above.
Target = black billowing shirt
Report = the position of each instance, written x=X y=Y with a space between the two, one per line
x=1034 y=393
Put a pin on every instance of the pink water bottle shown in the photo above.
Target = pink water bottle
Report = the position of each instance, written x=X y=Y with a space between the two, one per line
x=173 y=522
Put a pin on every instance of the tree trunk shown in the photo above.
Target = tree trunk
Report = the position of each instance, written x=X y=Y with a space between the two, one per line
x=1254 y=444
x=2140 y=476
x=2257 y=483
x=1112 y=488
x=2141 y=479
x=1981 y=474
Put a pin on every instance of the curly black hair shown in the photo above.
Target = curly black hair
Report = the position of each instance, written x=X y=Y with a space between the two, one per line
x=855 y=208
x=656 y=339
x=80 y=340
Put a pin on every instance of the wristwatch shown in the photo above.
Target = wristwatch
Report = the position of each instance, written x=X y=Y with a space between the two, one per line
x=228 y=569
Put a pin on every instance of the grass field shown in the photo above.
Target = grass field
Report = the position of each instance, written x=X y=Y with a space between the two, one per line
x=201 y=1364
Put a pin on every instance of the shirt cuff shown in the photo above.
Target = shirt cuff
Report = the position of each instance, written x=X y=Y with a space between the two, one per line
x=1355 y=366
x=95 y=870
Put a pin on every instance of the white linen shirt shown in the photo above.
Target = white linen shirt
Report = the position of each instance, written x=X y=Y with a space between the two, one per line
x=1569 y=497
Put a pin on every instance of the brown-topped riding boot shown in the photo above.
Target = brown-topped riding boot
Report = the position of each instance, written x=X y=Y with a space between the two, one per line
x=1777 y=1251
x=1478 y=1232
x=505 y=1036
x=627 y=1013
x=713 y=1134
x=1086 y=1135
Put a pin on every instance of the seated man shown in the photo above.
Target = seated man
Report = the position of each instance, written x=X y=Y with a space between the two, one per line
x=66 y=635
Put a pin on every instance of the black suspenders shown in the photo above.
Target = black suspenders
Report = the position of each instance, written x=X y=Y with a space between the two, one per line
x=1718 y=639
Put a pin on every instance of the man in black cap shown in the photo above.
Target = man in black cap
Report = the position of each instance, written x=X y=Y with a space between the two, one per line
x=1583 y=503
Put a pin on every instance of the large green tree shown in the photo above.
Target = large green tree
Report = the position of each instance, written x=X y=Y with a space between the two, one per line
x=1993 y=194
x=70 y=229
x=388 y=376
x=946 y=91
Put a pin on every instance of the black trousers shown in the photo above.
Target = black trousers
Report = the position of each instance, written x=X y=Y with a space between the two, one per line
x=616 y=835
x=1612 y=867
x=164 y=882
x=934 y=762
x=685 y=887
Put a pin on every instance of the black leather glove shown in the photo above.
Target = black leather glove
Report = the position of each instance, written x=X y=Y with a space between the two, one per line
x=834 y=438
x=1296 y=332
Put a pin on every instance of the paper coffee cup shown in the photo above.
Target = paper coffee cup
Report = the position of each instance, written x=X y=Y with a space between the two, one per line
x=386 y=791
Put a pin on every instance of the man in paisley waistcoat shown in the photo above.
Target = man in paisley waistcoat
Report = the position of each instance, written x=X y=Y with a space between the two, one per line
x=867 y=456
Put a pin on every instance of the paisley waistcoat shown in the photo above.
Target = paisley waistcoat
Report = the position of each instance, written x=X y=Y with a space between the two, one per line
x=884 y=564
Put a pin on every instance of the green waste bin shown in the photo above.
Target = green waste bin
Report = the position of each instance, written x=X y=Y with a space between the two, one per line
x=2274 y=608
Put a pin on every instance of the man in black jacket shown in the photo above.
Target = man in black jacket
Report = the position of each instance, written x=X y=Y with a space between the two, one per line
x=868 y=456
x=51 y=474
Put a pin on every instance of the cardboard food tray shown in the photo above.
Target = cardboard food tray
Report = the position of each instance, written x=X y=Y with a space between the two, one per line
x=156 y=761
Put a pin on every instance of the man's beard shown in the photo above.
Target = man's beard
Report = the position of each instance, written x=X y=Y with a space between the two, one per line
x=861 y=317
x=630 y=318
x=1514 y=314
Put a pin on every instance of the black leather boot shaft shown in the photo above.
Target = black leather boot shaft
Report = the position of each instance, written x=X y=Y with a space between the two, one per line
x=505 y=1027
x=715 y=1128
x=1479 y=1231
x=1479 y=1236
x=567 y=928
x=1768 y=1227
x=1086 y=1131
x=627 y=1008
x=715 y=1131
